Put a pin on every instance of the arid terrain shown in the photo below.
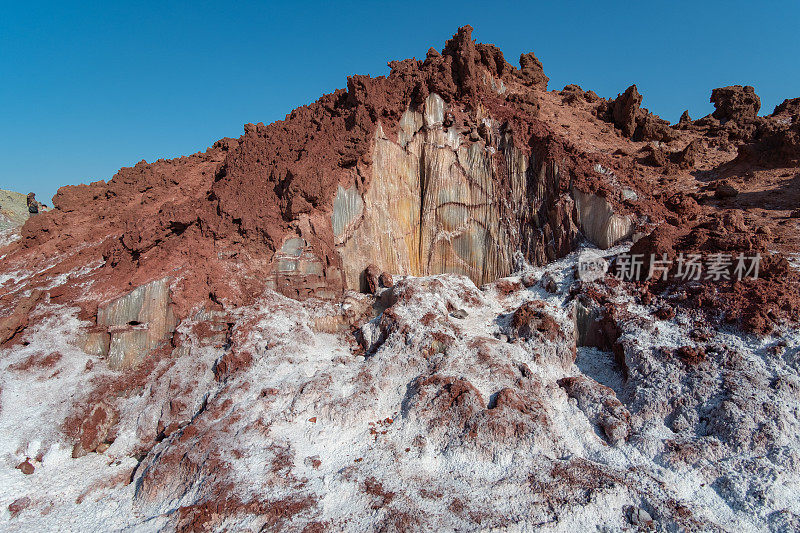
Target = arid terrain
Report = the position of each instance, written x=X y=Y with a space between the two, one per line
x=375 y=315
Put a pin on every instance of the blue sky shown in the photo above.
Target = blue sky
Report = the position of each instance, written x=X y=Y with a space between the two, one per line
x=90 y=87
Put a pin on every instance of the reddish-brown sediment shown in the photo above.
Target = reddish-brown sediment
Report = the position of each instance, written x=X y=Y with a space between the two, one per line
x=215 y=220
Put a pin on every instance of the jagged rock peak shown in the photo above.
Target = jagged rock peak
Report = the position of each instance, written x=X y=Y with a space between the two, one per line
x=465 y=67
x=532 y=72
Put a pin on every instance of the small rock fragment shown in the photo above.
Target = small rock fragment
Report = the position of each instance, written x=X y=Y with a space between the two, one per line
x=549 y=284
x=371 y=278
x=19 y=505
x=691 y=355
x=700 y=334
x=26 y=467
x=640 y=517
x=666 y=312
x=724 y=189
x=734 y=221
x=386 y=280
x=314 y=461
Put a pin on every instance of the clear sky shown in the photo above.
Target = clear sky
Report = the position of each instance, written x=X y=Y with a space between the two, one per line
x=86 y=88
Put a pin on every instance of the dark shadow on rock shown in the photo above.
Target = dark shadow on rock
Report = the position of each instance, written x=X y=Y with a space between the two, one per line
x=784 y=197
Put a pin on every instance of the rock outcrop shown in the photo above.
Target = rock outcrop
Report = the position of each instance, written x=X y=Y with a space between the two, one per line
x=735 y=103
x=636 y=123
x=13 y=210
x=440 y=203
x=441 y=167
x=129 y=327
x=532 y=71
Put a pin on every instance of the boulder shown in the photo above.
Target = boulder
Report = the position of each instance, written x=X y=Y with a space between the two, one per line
x=724 y=189
x=600 y=405
x=94 y=429
x=735 y=103
x=689 y=157
x=11 y=326
x=372 y=279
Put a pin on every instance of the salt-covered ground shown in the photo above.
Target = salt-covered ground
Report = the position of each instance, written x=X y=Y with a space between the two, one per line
x=7 y=236
x=438 y=420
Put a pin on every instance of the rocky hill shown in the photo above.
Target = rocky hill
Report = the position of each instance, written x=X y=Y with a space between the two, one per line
x=374 y=315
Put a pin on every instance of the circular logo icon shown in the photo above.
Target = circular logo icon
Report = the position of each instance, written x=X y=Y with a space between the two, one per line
x=591 y=266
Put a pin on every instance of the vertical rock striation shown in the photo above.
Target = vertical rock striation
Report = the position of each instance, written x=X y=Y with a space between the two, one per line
x=439 y=202
x=136 y=323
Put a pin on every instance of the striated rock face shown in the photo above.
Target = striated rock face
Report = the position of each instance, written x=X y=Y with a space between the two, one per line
x=298 y=272
x=133 y=325
x=587 y=315
x=439 y=203
x=598 y=221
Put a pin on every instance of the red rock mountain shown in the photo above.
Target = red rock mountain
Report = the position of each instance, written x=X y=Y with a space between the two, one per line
x=513 y=169
x=145 y=319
